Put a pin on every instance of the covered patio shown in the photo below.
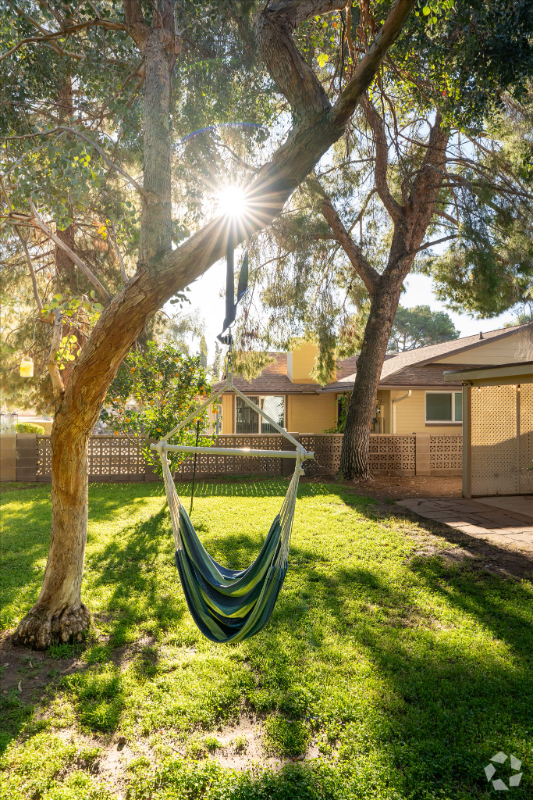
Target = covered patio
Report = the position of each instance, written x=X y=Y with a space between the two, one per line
x=498 y=432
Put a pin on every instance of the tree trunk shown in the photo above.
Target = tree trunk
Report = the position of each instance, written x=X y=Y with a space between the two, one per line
x=59 y=614
x=65 y=267
x=410 y=225
x=355 y=443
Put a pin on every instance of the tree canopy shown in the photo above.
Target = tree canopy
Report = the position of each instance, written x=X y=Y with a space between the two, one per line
x=420 y=326
x=308 y=123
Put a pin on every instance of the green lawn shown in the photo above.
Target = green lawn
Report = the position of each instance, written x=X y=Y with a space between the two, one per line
x=400 y=674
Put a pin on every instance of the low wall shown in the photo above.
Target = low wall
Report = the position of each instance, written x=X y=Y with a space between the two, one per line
x=112 y=459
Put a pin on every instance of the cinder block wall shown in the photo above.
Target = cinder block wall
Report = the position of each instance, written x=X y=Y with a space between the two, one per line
x=26 y=457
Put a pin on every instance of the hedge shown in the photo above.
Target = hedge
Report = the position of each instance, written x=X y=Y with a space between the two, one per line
x=29 y=427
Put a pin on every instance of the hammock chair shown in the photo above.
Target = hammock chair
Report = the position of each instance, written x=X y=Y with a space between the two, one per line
x=231 y=605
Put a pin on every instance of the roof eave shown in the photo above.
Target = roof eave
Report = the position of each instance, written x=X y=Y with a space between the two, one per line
x=478 y=343
x=492 y=371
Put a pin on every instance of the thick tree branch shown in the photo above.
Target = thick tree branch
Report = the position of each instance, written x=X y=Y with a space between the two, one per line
x=38 y=222
x=136 y=24
x=361 y=265
x=428 y=181
x=366 y=69
x=293 y=76
x=382 y=159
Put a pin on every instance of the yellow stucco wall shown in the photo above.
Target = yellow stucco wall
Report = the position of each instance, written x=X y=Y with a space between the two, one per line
x=518 y=347
x=301 y=362
x=311 y=413
x=315 y=413
x=411 y=414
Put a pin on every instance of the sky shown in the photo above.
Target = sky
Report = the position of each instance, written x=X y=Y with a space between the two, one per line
x=206 y=300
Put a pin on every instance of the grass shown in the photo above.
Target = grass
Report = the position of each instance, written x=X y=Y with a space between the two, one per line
x=405 y=673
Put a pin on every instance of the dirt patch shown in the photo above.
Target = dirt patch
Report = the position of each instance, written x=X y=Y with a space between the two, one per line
x=241 y=747
x=112 y=764
x=109 y=766
x=28 y=672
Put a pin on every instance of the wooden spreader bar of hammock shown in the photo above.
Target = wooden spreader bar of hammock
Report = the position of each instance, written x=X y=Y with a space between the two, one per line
x=299 y=452
x=232 y=451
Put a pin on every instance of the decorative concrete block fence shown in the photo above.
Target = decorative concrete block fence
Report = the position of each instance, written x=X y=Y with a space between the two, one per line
x=113 y=459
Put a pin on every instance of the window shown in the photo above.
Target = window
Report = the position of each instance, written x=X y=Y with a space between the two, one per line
x=444 y=406
x=249 y=421
x=275 y=408
x=247 y=418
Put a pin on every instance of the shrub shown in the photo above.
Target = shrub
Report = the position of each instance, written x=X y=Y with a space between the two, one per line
x=29 y=427
x=166 y=385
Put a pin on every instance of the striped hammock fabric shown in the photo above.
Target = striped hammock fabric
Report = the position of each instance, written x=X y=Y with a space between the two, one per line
x=230 y=605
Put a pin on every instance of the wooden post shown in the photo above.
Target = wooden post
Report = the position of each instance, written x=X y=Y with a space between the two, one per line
x=467 y=441
x=422 y=454
x=8 y=457
x=518 y=462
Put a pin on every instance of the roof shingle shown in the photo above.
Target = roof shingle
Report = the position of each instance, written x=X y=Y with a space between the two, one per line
x=410 y=368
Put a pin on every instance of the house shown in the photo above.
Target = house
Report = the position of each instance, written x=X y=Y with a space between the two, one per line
x=413 y=395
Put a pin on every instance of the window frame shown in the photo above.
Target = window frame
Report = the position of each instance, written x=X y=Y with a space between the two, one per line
x=452 y=421
x=260 y=397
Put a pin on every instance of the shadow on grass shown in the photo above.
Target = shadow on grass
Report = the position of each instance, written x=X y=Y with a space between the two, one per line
x=128 y=572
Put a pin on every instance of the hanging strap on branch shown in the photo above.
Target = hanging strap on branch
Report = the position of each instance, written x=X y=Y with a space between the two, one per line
x=231 y=303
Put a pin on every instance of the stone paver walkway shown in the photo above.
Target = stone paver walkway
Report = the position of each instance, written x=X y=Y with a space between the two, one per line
x=519 y=504
x=496 y=525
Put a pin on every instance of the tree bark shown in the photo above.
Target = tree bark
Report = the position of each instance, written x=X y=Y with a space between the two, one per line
x=410 y=224
x=65 y=267
x=59 y=614
x=355 y=444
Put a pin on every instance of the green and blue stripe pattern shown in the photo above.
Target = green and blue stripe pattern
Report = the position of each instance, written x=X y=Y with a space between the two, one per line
x=230 y=605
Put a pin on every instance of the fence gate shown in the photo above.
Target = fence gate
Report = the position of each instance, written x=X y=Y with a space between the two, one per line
x=501 y=439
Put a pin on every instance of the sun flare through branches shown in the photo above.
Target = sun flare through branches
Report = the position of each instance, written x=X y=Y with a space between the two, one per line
x=231 y=200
